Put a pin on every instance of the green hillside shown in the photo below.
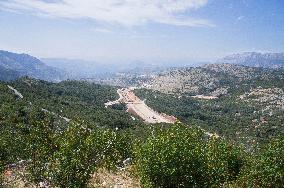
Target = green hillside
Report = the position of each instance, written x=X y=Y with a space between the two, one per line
x=60 y=134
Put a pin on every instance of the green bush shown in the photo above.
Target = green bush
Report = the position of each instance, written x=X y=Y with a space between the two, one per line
x=183 y=157
x=265 y=169
x=223 y=162
x=81 y=152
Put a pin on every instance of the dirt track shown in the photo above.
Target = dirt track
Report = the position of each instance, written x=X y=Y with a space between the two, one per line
x=138 y=107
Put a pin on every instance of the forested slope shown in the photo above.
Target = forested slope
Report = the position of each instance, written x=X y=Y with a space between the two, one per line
x=74 y=100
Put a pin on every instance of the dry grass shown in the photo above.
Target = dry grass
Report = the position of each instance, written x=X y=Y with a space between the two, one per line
x=14 y=178
x=121 y=179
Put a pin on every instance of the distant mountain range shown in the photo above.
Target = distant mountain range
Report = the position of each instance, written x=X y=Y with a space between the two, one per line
x=13 y=65
x=253 y=59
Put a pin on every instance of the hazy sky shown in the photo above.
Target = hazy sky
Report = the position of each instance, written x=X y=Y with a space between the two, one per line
x=141 y=29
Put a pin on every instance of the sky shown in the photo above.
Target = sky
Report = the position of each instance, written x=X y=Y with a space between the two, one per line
x=145 y=30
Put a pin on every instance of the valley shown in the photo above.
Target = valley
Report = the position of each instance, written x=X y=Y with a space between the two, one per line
x=141 y=94
x=114 y=128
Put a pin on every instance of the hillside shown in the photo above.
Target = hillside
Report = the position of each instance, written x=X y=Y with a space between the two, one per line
x=244 y=104
x=213 y=79
x=7 y=74
x=254 y=59
x=73 y=100
x=61 y=135
x=251 y=118
x=14 y=65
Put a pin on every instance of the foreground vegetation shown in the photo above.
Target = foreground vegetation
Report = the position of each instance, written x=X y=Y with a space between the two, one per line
x=34 y=131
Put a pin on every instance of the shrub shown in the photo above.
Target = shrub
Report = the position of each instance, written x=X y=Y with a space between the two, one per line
x=223 y=161
x=81 y=152
x=266 y=169
x=182 y=157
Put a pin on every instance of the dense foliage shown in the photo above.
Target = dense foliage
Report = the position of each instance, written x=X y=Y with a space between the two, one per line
x=184 y=157
x=265 y=169
x=70 y=159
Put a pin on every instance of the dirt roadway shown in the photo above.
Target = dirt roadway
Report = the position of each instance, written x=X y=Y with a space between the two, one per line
x=146 y=113
x=138 y=107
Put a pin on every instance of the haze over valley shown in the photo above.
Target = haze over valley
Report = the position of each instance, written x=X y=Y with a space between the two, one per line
x=176 y=93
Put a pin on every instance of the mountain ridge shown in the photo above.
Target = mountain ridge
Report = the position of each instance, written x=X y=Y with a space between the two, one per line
x=14 y=65
x=255 y=59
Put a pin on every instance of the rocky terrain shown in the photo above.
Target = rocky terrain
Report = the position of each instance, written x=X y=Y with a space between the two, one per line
x=273 y=98
x=212 y=79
